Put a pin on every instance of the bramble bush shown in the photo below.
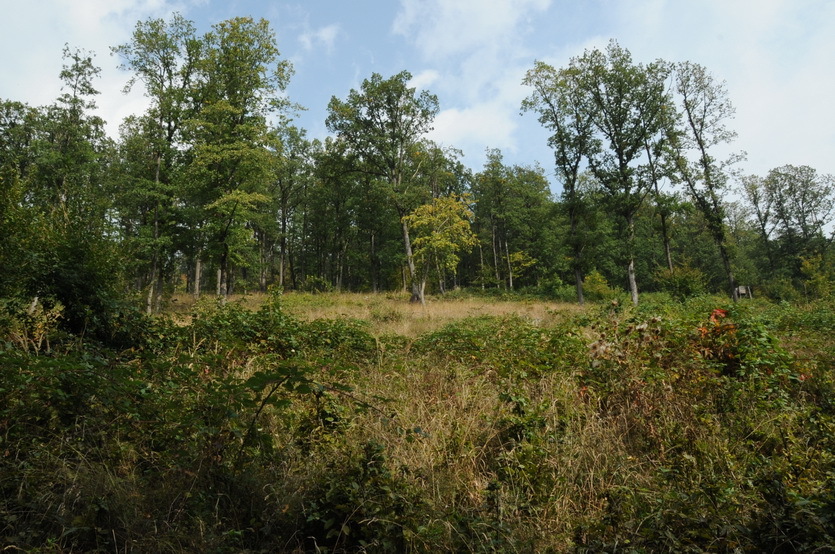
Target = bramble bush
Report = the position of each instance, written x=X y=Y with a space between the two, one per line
x=675 y=426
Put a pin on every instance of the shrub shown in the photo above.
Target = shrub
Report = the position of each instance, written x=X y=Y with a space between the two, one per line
x=595 y=287
x=681 y=282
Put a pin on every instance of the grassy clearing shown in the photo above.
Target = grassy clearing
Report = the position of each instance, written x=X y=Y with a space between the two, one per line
x=392 y=314
x=351 y=423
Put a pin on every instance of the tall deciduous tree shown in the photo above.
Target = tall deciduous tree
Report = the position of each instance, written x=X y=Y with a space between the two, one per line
x=704 y=109
x=240 y=79
x=560 y=102
x=626 y=102
x=163 y=56
x=381 y=124
x=793 y=206
x=55 y=162
x=511 y=209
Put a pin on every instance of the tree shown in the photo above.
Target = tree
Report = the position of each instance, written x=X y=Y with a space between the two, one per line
x=442 y=230
x=293 y=170
x=559 y=100
x=704 y=109
x=55 y=166
x=793 y=207
x=803 y=203
x=511 y=216
x=626 y=102
x=381 y=124
x=239 y=81
x=164 y=56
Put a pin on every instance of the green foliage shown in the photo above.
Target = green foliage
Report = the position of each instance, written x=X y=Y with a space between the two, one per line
x=363 y=504
x=682 y=282
x=675 y=426
x=595 y=287
x=818 y=273
x=511 y=347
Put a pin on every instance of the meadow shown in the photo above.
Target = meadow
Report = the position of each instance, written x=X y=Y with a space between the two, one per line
x=362 y=423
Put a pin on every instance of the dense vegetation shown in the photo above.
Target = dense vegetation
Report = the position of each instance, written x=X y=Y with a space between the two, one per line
x=137 y=415
x=670 y=427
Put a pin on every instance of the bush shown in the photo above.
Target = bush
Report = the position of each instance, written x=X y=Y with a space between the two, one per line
x=681 y=282
x=595 y=287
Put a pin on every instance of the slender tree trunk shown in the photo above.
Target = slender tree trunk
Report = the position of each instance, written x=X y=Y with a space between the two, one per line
x=152 y=283
x=282 y=255
x=495 y=252
x=375 y=265
x=578 y=283
x=577 y=249
x=481 y=264
x=633 y=284
x=509 y=266
x=198 y=271
x=726 y=262
x=417 y=287
x=666 y=236
x=441 y=278
x=262 y=273
x=630 y=268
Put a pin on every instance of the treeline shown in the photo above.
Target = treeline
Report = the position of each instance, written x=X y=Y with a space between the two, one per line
x=214 y=190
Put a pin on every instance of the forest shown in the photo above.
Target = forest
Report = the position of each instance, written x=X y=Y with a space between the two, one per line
x=220 y=335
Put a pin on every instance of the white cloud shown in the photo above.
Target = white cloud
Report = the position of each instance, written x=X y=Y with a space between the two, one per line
x=424 y=80
x=444 y=28
x=477 y=126
x=31 y=73
x=324 y=36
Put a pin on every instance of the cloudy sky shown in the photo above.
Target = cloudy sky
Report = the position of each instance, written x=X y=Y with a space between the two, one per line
x=777 y=57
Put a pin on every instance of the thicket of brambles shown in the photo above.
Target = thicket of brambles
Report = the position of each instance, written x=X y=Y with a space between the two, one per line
x=673 y=426
x=683 y=422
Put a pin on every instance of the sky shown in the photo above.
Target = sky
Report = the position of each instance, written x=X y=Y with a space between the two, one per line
x=777 y=58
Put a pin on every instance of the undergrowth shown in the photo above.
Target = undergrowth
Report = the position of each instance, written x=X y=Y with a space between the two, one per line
x=673 y=427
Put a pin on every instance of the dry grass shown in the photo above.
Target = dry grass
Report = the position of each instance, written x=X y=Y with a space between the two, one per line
x=390 y=313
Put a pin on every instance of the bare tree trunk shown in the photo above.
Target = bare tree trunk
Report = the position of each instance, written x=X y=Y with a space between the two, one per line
x=726 y=262
x=509 y=266
x=152 y=282
x=666 y=236
x=198 y=273
x=495 y=252
x=375 y=269
x=417 y=287
x=633 y=284
x=630 y=268
x=481 y=264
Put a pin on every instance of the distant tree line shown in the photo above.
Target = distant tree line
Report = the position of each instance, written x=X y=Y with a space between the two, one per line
x=213 y=190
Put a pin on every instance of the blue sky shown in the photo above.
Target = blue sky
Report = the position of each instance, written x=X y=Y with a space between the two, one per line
x=777 y=56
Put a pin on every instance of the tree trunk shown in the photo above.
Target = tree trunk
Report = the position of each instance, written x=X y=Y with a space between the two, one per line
x=262 y=273
x=417 y=287
x=152 y=283
x=198 y=270
x=375 y=265
x=633 y=284
x=726 y=262
x=495 y=252
x=509 y=266
x=577 y=249
x=630 y=268
x=578 y=283
x=666 y=236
